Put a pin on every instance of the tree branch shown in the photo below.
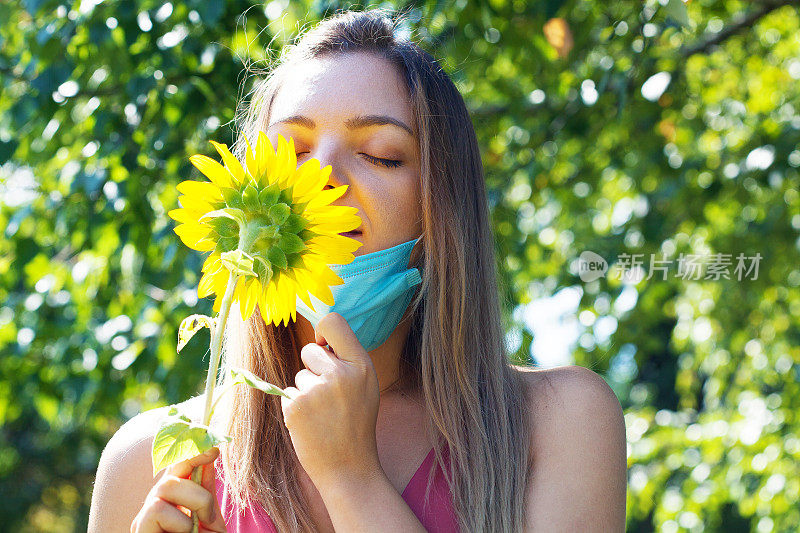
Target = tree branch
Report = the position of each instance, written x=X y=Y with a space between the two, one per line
x=739 y=24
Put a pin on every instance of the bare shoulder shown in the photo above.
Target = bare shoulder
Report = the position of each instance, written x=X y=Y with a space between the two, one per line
x=570 y=390
x=125 y=471
x=578 y=478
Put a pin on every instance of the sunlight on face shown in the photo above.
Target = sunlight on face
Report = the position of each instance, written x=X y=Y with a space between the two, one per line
x=351 y=111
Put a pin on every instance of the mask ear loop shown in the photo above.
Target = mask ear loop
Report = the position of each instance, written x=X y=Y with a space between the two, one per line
x=417 y=250
x=418 y=253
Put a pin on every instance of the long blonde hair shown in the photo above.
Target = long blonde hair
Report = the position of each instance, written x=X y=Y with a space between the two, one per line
x=455 y=352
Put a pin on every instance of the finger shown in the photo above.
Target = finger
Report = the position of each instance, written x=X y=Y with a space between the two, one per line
x=334 y=330
x=288 y=404
x=291 y=392
x=305 y=379
x=209 y=479
x=187 y=493
x=317 y=358
x=166 y=517
x=210 y=484
x=184 y=469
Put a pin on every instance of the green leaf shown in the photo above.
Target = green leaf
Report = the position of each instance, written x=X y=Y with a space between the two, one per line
x=269 y=196
x=291 y=243
x=225 y=227
x=296 y=261
x=278 y=213
x=227 y=212
x=179 y=439
x=676 y=10
x=238 y=262
x=268 y=232
x=240 y=375
x=191 y=325
x=250 y=198
x=277 y=257
x=294 y=224
x=232 y=198
x=264 y=270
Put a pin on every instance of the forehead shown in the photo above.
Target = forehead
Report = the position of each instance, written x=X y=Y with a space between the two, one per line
x=331 y=89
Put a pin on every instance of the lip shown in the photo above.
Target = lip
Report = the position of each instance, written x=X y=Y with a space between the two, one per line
x=351 y=234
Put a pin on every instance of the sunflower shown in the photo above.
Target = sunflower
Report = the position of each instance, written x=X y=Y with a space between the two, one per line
x=274 y=218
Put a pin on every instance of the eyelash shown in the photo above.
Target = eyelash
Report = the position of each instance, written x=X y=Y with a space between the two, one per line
x=388 y=163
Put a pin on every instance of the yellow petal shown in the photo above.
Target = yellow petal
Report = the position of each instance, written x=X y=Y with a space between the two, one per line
x=334 y=218
x=336 y=226
x=285 y=298
x=339 y=258
x=305 y=283
x=205 y=245
x=324 y=294
x=337 y=243
x=194 y=236
x=238 y=295
x=323 y=198
x=291 y=301
x=306 y=300
x=247 y=301
x=212 y=170
x=330 y=212
x=221 y=281
x=207 y=191
x=268 y=310
x=192 y=230
x=328 y=277
x=231 y=163
x=252 y=167
x=212 y=263
x=286 y=161
x=310 y=180
x=262 y=305
x=194 y=203
x=218 y=280
x=185 y=215
x=320 y=272
x=206 y=285
x=264 y=153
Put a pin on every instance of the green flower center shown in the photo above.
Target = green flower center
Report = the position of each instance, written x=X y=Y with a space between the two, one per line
x=264 y=223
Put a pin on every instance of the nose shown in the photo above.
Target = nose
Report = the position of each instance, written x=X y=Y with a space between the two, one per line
x=329 y=154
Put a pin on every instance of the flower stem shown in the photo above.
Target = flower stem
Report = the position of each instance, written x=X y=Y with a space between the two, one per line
x=213 y=365
x=225 y=389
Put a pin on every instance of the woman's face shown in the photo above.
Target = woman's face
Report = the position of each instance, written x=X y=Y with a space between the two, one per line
x=352 y=112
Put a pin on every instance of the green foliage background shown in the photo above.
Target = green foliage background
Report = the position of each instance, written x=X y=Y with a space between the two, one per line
x=100 y=106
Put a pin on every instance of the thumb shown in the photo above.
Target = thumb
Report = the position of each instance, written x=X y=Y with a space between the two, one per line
x=184 y=468
x=334 y=330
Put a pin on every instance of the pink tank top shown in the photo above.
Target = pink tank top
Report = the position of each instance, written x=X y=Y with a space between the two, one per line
x=436 y=514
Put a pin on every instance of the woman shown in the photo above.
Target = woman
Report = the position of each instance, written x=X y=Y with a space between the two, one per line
x=505 y=448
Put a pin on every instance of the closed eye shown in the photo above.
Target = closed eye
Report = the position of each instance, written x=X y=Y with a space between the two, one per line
x=388 y=163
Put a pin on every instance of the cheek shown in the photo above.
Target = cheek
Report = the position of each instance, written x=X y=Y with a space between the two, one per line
x=406 y=204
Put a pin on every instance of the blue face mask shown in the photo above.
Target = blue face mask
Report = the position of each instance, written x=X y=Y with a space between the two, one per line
x=376 y=291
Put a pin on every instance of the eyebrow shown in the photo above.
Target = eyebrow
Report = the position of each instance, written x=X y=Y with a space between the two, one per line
x=360 y=121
